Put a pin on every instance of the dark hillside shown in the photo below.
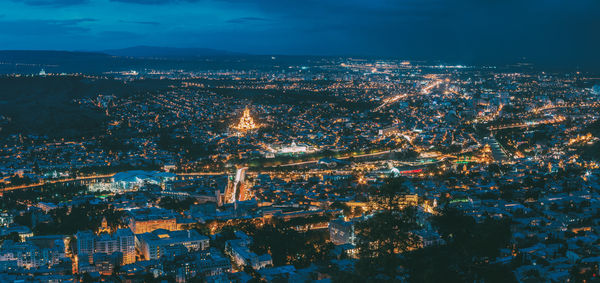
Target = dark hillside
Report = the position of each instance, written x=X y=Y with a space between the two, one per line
x=48 y=106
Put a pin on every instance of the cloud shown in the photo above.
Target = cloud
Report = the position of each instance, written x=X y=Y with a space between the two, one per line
x=44 y=28
x=152 y=23
x=246 y=20
x=117 y=35
x=53 y=3
x=71 y=21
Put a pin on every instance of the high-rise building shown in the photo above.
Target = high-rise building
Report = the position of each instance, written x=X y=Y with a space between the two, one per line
x=122 y=242
x=106 y=244
x=85 y=244
x=126 y=241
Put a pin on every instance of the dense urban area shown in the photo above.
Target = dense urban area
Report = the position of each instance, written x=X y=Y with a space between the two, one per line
x=300 y=169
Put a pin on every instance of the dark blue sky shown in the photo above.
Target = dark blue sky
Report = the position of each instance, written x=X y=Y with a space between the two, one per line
x=552 y=31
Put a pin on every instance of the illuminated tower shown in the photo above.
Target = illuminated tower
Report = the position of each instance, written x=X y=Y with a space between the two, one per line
x=246 y=122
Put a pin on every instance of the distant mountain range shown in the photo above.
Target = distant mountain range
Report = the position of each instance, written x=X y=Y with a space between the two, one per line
x=140 y=57
x=141 y=52
x=168 y=52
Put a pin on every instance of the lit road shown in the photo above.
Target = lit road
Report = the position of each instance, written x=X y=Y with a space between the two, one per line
x=393 y=99
x=345 y=157
x=92 y=177
x=56 y=182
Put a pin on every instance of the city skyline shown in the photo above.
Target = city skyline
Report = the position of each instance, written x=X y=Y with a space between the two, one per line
x=552 y=33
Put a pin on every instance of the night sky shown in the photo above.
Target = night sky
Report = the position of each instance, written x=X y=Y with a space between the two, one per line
x=561 y=32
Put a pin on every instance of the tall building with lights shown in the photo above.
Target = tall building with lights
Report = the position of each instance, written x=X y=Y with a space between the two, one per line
x=122 y=241
x=246 y=122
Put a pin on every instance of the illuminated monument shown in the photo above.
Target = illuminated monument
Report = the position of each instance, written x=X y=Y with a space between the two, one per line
x=246 y=122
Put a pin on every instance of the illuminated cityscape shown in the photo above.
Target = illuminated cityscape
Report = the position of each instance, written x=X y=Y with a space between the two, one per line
x=326 y=142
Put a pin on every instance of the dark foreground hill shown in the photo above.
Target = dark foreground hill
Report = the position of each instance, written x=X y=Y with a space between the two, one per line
x=48 y=105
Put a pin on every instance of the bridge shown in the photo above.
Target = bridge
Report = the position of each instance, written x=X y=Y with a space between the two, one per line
x=558 y=119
